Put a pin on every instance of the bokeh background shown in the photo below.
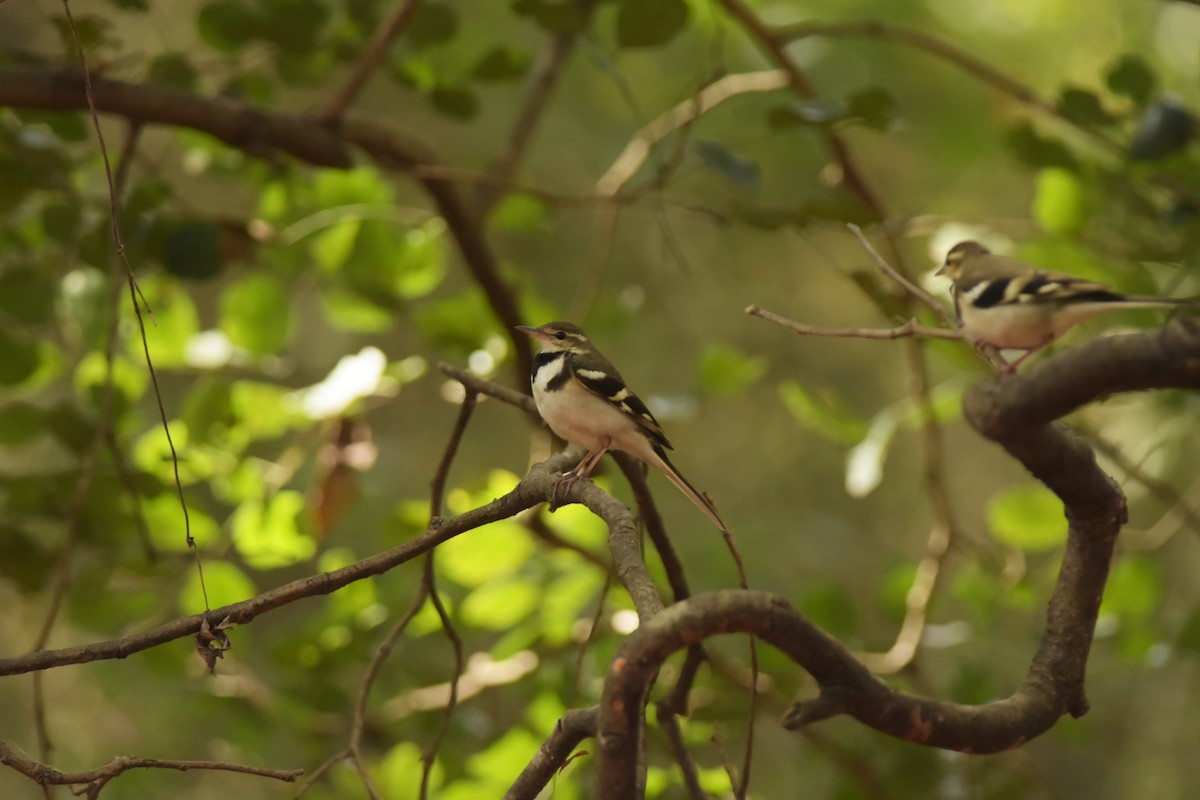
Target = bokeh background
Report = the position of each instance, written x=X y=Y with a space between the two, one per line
x=1058 y=132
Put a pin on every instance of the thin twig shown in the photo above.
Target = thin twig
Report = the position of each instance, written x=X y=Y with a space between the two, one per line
x=914 y=290
x=371 y=58
x=910 y=328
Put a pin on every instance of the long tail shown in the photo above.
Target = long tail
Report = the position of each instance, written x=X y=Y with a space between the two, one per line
x=664 y=465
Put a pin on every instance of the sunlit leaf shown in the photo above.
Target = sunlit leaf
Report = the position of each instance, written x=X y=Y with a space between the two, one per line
x=1058 y=204
x=256 y=313
x=1029 y=517
x=168 y=531
x=174 y=322
x=398 y=774
x=225 y=583
x=1134 y=588
x=500 y=604
x=269 y=536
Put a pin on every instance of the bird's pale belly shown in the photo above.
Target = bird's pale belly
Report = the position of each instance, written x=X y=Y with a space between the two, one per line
x=583 y=418
x=1018 y=327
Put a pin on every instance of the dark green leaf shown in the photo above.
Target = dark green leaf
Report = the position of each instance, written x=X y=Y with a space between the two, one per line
x=1038 y=151
x=649 y=23
x=455 y=101
x=502 y=63
x=294 y=25
x=16 y=183
x=20 y=422
x=875 y=106
x=192 y=250
x=1083 y=108
x=431 y=23
x=1164 y=129
x=173 y=69
x=1132 y=77
x=1188 y=640
x=132 y=5
x=18 y=358
x=26 y=296
x=226 y=25
x=60 y=221
x=739 y=171
x=564 y=16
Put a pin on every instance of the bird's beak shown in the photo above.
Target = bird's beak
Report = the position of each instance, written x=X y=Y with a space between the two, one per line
x=526 y=329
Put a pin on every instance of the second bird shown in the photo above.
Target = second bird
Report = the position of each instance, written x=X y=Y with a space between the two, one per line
x=583 y=399
x=1011 y=305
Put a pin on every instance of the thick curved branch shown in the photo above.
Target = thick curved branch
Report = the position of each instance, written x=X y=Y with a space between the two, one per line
x=1017 y=412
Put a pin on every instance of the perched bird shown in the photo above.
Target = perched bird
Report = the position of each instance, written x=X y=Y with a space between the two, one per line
x=583 y=399
x=1011 y=305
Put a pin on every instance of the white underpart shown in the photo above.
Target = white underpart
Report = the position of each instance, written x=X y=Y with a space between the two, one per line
x=586 y=419
x=1030 y=326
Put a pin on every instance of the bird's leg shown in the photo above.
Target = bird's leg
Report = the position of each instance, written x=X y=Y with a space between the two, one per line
x=582 y=470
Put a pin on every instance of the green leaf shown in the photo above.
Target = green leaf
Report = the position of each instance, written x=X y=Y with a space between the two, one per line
x=565 y=16
x=500 y=604
x=1036 y=150
x=1058 y=203
x=172 y=69
x=1027 y=517
x=1134 y=589
x=333 y=188
x=269 y=536
x=16 y=182
x=21 y=422
x=431 y=23
x=224 y=583
x=168 y=530
x=226 y=25
x=724 y=370
x=502 y=63
x=83 y=303
x=256 y=314
x=519 y=212
x=824 y=414
x=875 y=106
x=1188 y=639
x=19 y=358
x=132 y=5
x=295 y=26
x=456 y=102
x=739 y=171
x=192 y=250
x=350 y=312
x=649 y=23
x=173 y=324
x=398 y=773
x=26 y=296
x=1083 y=108
x=1132 y=77
x=828 y=605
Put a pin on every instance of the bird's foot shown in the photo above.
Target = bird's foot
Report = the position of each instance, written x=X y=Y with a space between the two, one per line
x=560 y=487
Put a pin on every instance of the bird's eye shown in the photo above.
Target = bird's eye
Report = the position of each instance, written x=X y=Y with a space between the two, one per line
x=560 y=335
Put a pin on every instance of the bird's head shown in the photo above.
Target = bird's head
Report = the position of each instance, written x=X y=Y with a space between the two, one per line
x=558 y=336
x=957 y=258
